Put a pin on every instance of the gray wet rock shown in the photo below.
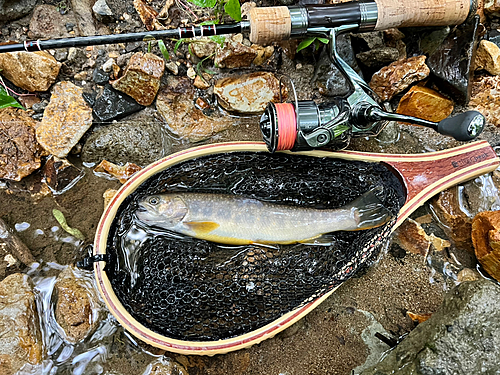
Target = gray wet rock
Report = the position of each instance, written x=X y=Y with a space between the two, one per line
x=329 y=80
x=378 y=57
x=12 y=10
x=102 y=11
x=461 y=337
x=21 y=342
x=137 y=139
x=112 y=104
x=47 y=22
x=452 y=63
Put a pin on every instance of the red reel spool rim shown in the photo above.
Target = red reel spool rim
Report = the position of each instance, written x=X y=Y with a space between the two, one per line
x=287 y=126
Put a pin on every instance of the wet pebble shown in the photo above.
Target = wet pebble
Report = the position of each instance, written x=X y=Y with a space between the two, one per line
x=32 y=71
x=248 y=93
x=141 y=79
x=425 y=103
x=14 y=10
x=396 y=77
x=66 y=118
x=102 y=11
x=76 y=305
x=488 y=57
x=234 y=55
x=19 y=150
x=19 y=324
x=60 y=174
x=486 y=240
x=112 y=104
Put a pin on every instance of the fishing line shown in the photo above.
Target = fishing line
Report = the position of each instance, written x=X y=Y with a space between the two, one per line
x=287 y=126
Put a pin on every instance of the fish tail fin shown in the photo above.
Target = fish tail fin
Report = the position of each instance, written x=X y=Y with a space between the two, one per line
x=369 y=211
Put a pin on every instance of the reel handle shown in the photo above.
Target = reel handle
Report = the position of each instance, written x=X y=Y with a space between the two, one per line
x=463 y=127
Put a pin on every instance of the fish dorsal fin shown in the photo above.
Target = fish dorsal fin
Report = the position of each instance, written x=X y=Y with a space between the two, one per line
x=202 y=227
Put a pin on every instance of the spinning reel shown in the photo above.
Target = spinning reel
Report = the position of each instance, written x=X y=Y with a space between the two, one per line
x=305 y=125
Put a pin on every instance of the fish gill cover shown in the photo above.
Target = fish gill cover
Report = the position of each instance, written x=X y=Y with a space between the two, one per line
x=190 y=289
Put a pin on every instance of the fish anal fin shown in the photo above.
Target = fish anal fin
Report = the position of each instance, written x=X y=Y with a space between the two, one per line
x=202 y=227
x=322 y=239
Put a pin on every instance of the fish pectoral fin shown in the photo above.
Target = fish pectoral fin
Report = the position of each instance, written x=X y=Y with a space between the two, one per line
x=202 y=227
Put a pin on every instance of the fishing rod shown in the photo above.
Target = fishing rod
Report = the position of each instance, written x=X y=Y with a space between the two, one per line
x=305 y=125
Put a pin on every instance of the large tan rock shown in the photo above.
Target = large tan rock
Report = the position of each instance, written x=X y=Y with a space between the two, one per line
x=399 y=75
x=175 y=104
x=486 y=240
x=65 y=120
x=141 y=79
x=32 y=71
x=249 y=93
x=425 y=103
x=21 y=339
x=485 y=98
x=19 y=150
x=77 y=305
x=488 y=57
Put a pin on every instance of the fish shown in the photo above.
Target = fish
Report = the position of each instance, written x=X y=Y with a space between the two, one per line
x=237 y=220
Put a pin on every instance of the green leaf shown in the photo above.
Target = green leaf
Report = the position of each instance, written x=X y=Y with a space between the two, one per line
x=178 y=44
x=163 y=50
x=339 y=129
x=204 y=3
x=219 y=39
x=211 y=22
x=233 y=9
x=324 y=40
x=8 y=101
x=64 y=225
x=305 y=43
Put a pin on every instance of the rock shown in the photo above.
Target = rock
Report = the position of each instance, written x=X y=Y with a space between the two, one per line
x=19 y=325
x=19 y=150
x=419 y=318
x=100 y=77
x=83 y=16
x=203 y=47
x=102 y=12
x=165 y=366
x=191 y=73
x=47 y=22
x=421 y=41
x=412 y=238
x=172 y=67
x=485 y=98
x=456 y=224
x=200 y=83
x=81 y=76
x=137 y=139
x=467 y=274
x=425 y=103
x=461 y=337
x=329 y=80
x=32 y=71
x=492 y=8
x=60 y=175
x=122 y=60
x=451 y=65
x=248 y=93
x=107 y=67
x=122 y=173
x=367 y=41
x=65 y=120
x=488 y=57
x=148 y=14
x=12 y=10
x=263 y=54
x=112 y=104
x=11 y=244
x=486 y=241
x=175 y=104
x=76 y=304
x=234 y=55
x=141 y=79
x=378 y=57
x=396 y=77
x=76 y=57
x=108 y=196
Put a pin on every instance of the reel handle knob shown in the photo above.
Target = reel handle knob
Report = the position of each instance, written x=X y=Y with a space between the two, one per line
x=463 y=127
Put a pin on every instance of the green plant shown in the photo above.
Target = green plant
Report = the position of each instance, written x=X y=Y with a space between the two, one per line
x=308 y=41
x=231 y=7
x=163 y=50
x=5 y=99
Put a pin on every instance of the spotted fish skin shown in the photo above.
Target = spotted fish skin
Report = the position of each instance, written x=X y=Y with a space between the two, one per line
x=237 y=220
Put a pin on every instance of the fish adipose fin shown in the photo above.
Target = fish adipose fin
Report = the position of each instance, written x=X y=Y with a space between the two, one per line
x=369 y=211
x=202 y=227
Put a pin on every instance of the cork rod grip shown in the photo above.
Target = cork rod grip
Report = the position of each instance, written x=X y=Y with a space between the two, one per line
x=269 y=24
x=406 y=13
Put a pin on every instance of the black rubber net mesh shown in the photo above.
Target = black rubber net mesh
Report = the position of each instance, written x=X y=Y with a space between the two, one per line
x=190 y=289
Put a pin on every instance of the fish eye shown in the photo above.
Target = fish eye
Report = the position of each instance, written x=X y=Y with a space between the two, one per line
x=154 y=200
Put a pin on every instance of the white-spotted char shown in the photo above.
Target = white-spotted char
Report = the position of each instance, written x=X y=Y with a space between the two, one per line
x=236 y=220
